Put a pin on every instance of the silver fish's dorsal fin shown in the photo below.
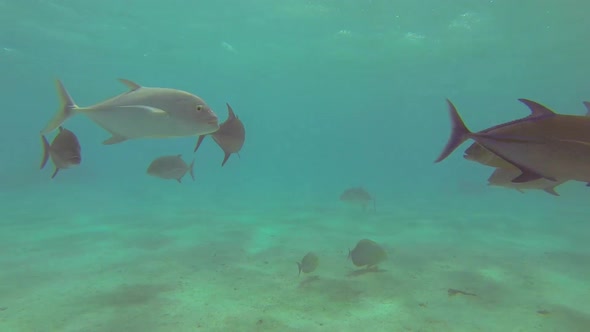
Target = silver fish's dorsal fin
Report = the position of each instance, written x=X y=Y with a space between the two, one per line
x=536 y=108
x=587 y=105
x=130 y=84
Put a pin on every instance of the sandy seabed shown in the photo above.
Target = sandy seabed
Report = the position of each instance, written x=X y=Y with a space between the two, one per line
x=168 y=266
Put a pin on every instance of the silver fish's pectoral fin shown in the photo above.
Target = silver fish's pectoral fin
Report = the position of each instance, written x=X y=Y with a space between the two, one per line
x=114 y=140
x=143 y=108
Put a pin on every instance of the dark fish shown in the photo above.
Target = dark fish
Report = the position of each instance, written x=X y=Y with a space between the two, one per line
x=367 y=253
x=230 y=137
x=358 y=195
x=541 y=145
x=476 y=152
x=171 y=167
x=65 y=151
x=503 y=177
x=309 y=263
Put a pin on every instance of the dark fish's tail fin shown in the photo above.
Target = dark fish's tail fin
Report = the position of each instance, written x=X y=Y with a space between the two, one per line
x=199 y=141
x=65 y=111
x=459 y=133
x=45 y=151
x=191 y=169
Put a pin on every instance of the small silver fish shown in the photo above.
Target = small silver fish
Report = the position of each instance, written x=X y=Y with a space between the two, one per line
x=170 y=167
x=65 y=151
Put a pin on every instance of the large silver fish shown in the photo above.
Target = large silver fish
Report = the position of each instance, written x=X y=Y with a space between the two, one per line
x=142 y=112
x=541 y=145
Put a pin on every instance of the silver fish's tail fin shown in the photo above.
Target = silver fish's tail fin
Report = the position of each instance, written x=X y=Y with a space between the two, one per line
x=459 y=133
x=45 y=152
x=191 y=169
x=66 y=110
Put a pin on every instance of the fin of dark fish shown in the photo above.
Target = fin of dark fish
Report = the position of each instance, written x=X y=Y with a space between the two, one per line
x=551 y=191
x=130 y=84
x=55 y=172
x=190 y=169
x=526 y=176
x=299 y=265
x=199 y=141
x=66 y=110
x=114 y=140
x=46 y=148
x=459 y=133
x=537 y=110
x=225 y=158
x=231 y=114
x=587 y=105
x=520 y=190
x=179 y=180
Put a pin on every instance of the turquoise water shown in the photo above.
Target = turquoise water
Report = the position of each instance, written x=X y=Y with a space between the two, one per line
x=333 y=94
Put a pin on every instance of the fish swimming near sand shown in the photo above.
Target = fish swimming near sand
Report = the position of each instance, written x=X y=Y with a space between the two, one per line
x=170 y=167
x=502 y=177
x=309 y=263
x=358 y=195
x=542 y=145
x=367 y=253
x=64 y=151
x=230 y=137
x=141 y=112
x=476 y=152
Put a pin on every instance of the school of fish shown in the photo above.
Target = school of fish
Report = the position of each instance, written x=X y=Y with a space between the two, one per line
x=540 y=151
x=142 y=113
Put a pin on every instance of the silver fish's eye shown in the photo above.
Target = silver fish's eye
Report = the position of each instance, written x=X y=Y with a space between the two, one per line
x=199 y=107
